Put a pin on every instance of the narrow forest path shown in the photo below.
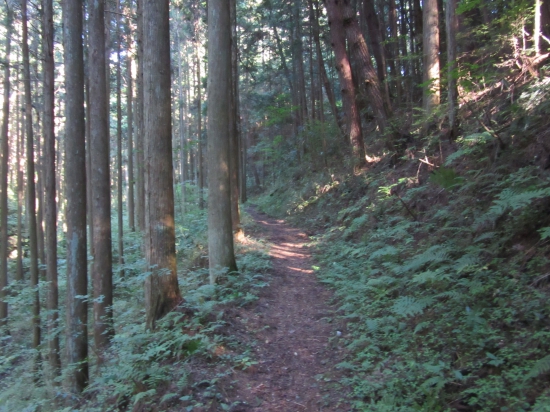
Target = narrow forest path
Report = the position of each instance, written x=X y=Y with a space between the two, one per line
x=295 y=343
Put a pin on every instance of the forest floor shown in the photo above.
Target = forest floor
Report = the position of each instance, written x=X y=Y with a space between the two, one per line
x=292 y=330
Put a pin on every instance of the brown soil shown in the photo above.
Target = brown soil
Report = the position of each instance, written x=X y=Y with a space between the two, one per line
x=296 y=346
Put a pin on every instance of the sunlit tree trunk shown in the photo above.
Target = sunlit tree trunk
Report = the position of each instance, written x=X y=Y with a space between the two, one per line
x=431 y=55
x=161 y=287
x=54 y=355
x=75 y=191
x=31 y=188
x=4 y=141
x=220 y=236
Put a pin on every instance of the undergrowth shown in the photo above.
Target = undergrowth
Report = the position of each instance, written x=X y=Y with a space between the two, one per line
x=442 y=276
x=177 y=364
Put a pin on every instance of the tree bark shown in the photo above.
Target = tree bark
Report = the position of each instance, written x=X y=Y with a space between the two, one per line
x=102 y=269
x=4 y=178
x=380 y=103
x=452 y=29
x=75 y=181
x=130 y=122
x=234 y=139
x=31 y=188
x=220 y=236
x=338 y=41
x=431 y=55
x=200 y=162
x=54 y=354
x=140 y=143
x=120 y=176
x=161 y=287
x=322 y=70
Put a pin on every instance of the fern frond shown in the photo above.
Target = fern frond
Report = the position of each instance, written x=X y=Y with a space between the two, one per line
x=409 y=306
x=541 y=367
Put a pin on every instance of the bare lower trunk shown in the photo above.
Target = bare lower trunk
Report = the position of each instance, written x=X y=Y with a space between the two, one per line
x=75 y=182
x=161 y=287
x=4 y=178
x=31 y=188
x=50 y=192
x=102 y=269
x=220 y=236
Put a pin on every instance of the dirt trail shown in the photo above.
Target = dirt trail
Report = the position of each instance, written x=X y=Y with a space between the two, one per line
x=296 y=346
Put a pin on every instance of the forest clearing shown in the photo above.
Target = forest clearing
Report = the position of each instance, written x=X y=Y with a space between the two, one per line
x=275 y=205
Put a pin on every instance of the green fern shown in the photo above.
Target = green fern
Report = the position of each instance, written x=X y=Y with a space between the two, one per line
x=408 y=306
x=541 y=367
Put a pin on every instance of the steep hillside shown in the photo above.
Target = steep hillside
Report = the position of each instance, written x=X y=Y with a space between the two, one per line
x=440 y=259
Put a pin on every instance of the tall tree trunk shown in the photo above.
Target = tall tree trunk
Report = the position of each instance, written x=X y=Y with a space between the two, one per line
x=338 y=40
x=452 y=29
x=299 y=59
x=393 y=50
x=431 y=55
x=140 y=122
x=373 y=27
x=182 y=109
x=200 y=162
x=120 y=176
x=234 y=138
x=323 y=72
x=31 y=188
x=4 y=177
x=130 y=126
x=220 y=236
x=381 y=107
x=20 y=186
x=102 y=269
x=75 y=181
x=54 y=354
x=161 y=287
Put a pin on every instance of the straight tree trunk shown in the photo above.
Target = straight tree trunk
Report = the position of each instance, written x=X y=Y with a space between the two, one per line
x=54 y=354
x=452 y=30
x=200 y=163
x=161 y=287
x=431 y=55
x=220 y=237
x=323 y=72
x=373 y=27
x=20 y=187
x=130 y=126
x=102 y=269
x=75 y=182
x=234 y=148
x=4 y=178
x=140 y=122
x=338 y=41
x=120 y=176
x=31 y=188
